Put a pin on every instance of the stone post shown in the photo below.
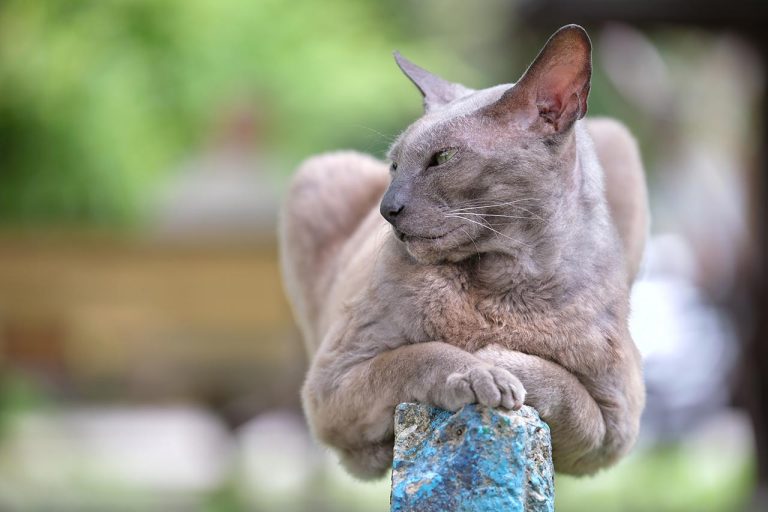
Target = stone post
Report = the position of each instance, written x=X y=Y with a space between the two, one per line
x=477 y=459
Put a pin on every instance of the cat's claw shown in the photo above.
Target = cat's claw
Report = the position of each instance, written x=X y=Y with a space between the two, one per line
x=487 y=385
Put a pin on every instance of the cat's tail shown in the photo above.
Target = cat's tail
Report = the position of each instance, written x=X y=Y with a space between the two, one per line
x=328 y=198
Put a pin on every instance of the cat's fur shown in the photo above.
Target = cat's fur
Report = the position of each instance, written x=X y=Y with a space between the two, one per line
x=504 y=279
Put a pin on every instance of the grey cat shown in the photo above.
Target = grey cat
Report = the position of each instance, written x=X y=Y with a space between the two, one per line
x=516 y=231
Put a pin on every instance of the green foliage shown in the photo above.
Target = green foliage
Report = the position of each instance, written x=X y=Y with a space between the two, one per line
x=99 y=98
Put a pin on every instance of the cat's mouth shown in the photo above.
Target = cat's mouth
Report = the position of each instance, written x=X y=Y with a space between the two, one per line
x=404 y=237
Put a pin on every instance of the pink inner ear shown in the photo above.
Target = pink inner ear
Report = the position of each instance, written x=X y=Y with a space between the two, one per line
x=558 y=97
x=556 y=83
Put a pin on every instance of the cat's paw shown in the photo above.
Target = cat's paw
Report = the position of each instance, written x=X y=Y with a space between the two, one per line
x=484 y=384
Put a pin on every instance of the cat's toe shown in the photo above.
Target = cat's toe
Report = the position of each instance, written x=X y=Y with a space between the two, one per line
x=512 y=390
x=458 y=392
x=484 y=385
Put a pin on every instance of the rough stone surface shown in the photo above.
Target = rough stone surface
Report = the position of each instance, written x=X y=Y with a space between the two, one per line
x=477 y=459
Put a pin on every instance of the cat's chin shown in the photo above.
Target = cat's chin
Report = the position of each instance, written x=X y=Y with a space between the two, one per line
x=425 y=257
x=424 y=250
x=429 y=252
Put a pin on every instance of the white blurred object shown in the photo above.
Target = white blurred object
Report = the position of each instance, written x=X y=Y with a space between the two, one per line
x=165 y=451
x=729 y=433
x=282 y=468
x=277 y=459
x=221 y=195
x=688 y=346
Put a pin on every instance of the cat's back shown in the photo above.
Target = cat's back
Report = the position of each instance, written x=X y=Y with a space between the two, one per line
x=625 y=187
x=330 y=197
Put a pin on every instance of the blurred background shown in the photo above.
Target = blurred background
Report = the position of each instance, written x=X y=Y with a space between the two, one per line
x=148 y=357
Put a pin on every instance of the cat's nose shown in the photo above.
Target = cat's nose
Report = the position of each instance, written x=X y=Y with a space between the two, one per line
x=391 y=211
x=394 y=201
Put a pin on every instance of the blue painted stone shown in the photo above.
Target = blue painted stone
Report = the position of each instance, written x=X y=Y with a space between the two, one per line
x=477 y=459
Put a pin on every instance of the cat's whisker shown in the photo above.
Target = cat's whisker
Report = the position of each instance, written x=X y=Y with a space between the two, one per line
x=466 y=210
x=492 y=205
x=487 y=226
x=388 y=138
x=487 y=202
x=474 y=202
x=497 y=215
x=531 y=213
x=477 y=251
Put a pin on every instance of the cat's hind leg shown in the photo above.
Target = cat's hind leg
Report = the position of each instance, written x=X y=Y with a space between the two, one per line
x=328 y=198
x=369 y=461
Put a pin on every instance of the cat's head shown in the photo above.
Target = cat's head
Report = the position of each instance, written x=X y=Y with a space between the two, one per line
x=483 y=170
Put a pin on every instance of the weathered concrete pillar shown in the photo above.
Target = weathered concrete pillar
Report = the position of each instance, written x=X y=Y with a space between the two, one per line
x=477 y=459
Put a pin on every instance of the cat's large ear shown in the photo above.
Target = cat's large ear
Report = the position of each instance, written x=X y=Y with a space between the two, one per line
x=556 y=83
x=436 y=91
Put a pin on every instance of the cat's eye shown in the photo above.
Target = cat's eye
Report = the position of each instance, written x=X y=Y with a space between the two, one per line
x=442 y=157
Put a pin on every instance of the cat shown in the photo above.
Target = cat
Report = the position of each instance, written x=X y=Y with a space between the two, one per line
x=490 y=263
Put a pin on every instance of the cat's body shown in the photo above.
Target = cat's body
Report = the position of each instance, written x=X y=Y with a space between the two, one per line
x=502 y=281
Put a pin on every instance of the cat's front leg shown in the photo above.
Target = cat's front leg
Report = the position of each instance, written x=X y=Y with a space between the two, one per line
x=350 y=406
x=593 y=421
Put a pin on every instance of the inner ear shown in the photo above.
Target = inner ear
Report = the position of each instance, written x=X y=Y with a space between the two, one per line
x=557 y=82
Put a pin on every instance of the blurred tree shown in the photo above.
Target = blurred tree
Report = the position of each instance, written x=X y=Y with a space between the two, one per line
x=99 y=98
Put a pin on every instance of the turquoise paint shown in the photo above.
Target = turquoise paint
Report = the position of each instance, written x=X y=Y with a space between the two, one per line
x=477 y=459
